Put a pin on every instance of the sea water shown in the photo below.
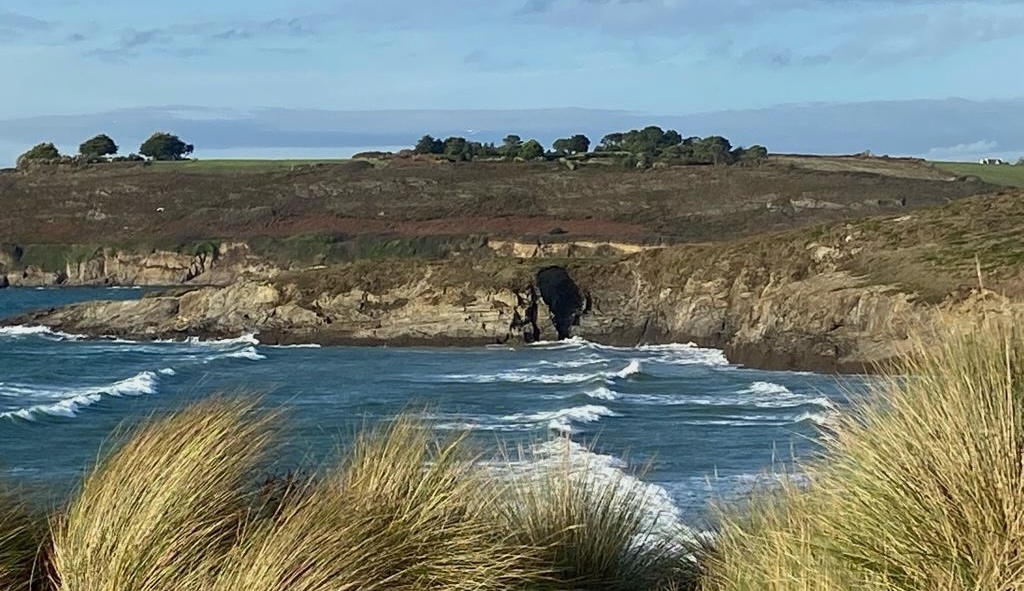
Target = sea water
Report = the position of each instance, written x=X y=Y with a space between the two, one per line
x=700 y=428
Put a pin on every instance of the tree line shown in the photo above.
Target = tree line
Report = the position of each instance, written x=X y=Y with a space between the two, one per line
x=640 y=147
x=102 y=148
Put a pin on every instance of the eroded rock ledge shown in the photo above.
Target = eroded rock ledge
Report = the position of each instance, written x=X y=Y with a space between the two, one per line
x=829 y=321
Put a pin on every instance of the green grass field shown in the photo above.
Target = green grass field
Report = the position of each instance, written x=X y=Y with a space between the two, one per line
x=1010 y=176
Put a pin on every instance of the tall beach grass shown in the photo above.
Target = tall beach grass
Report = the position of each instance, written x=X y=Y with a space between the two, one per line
x=921 y=489
x=158 y=514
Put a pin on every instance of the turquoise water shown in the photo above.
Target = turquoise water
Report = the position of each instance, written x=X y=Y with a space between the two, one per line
x=702 y=427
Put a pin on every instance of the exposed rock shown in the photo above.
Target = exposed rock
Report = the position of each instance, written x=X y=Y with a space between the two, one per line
x=563 y=298
x=219 y=265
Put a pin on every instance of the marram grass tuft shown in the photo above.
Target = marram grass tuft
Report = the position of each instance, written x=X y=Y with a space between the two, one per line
x=158 y=513
x=922 y=488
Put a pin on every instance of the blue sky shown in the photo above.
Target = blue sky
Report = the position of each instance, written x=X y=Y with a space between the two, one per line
x=266 y=78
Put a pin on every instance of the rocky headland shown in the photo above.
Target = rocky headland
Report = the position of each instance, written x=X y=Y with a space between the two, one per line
x=827 y=295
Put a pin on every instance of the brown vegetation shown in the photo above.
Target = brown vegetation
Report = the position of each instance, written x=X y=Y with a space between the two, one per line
x=170 y=204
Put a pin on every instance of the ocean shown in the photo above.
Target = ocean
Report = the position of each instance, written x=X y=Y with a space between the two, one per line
x=691 y=427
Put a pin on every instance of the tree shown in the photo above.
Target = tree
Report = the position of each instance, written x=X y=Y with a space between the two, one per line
x=429 y=145
x=562 y=145
x=611 y=142
x=165 y=146
x=531 y=150
x=579 y=144
x=43 y=151
x=754 y=153
x=457 y=148
x=1020 y=162
x=511 y=145
x=101 y=145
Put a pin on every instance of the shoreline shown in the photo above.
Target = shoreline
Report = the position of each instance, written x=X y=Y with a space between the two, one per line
x=755 y=359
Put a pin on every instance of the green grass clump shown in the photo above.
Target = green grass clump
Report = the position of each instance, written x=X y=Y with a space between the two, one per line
x=156 y=514
x=922 y=488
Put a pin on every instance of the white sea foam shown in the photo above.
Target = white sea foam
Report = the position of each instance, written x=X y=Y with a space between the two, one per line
x=249 y=353
x=630 y=370
x=764 y=395
x=167 y=371
x=598 y=472
x=299 y=346
x=21 y=331
x=68 y=402
x=246 y=339
x=523 y=377
x=602 y=393
x=562 y=420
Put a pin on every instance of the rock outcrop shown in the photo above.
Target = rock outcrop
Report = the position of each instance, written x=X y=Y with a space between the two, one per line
x=828 y=322
x=218 y=264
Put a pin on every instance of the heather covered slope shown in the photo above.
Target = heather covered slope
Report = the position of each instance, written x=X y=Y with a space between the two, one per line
x=171 y=206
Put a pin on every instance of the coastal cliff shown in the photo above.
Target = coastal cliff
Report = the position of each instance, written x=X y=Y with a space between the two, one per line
x=833 y=296
x=841 y=297
x=205 y=264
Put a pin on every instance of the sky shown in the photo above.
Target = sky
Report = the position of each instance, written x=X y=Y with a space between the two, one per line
x=934 y=78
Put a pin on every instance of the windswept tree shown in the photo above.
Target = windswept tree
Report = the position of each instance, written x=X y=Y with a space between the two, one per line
x=579 y=144
x=531 y=150
x=98 y=146
x=562 y=145
x=511 y=145
x=165 y=146
x=39 y=152
x=457 y=148
x=429 y=145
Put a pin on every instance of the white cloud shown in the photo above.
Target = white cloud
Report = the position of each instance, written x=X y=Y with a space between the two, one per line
x=964 y=151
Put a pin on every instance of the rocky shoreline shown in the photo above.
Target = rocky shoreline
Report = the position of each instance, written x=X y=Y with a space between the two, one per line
x=784 y=327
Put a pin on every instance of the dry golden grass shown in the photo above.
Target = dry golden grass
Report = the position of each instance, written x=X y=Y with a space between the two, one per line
x=401 y=512
x=156 y=514
x=594 y=529
x=921 y=490
x=23 y=545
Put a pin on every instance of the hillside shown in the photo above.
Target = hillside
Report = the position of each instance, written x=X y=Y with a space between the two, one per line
x=176 y=206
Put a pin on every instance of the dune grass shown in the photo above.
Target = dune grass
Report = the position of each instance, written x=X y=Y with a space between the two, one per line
x=157 y=513
x=921 y=489
x=594 y=529
x=402 y=511
x=23 y=545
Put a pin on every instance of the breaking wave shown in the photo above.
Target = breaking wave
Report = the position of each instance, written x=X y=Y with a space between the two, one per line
x=22 y=331
x=68 y=402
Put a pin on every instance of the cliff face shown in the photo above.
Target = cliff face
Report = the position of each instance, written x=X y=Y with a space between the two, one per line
x=828 y=322
x=214 y=265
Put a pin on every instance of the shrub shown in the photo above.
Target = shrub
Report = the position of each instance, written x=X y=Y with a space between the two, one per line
x=921 y=489
x=159 y=512
x=38 y=153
